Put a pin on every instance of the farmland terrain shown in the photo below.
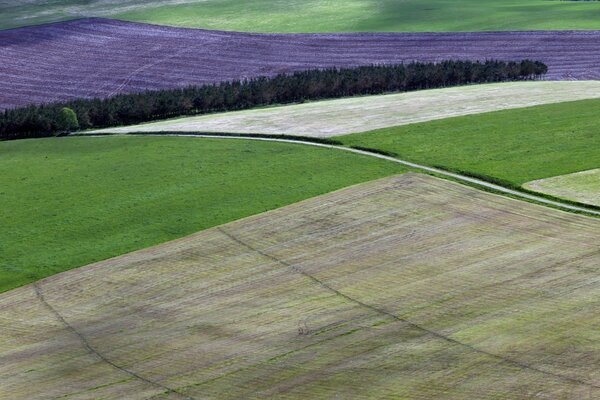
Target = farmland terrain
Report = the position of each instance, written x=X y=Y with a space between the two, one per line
x=583 y=187
x=356 y=114
x=72 y=201
x=408 y=286
x=318 y=15
x=514 y=146
x=156 y=266
x=99 y=58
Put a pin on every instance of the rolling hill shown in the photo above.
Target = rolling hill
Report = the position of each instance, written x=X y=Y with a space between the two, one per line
x=73 y=201
x=408 y=286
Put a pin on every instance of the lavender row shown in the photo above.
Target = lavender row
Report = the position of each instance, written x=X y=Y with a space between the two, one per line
x=99 y=58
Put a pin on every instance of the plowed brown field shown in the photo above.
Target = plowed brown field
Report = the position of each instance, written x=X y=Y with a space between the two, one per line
x=99 y=58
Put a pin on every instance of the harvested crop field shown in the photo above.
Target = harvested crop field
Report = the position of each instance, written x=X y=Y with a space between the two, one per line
x=583 y=187
x=98 y=57
x=356 y=114
x=406 y=287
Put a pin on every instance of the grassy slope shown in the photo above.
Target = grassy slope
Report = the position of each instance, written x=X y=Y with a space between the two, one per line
x=323 y=15
x=349 y=115
x=69 y=202
x=514 y=145
x=301 y=303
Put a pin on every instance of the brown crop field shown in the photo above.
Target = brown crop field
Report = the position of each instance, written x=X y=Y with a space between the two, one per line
x=406 y=287
x=99 y=58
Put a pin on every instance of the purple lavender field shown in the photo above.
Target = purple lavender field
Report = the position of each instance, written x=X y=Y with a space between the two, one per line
x=99 y=58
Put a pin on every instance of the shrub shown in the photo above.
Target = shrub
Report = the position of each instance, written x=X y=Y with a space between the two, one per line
x=66 y=121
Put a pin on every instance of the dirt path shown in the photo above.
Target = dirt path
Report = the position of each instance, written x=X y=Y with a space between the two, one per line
x=431 y=170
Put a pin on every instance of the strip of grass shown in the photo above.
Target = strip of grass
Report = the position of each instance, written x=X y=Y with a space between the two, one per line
x=322 y=15
x=68 y=202
x=581 y=186
x=515 y=146
x=374 y=15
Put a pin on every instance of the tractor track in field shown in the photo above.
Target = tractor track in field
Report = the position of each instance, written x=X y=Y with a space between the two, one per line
x=297 y=269
x=419 y=167
x=90 y=349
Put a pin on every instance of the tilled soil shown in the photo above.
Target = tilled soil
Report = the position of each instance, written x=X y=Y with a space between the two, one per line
x=98 y=57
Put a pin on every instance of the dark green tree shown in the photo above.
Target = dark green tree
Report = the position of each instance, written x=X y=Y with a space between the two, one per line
x=66 y=121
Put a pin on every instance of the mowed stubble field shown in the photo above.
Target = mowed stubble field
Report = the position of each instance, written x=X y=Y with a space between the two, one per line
x=583 y=187
x=409 y=286
x=318 y=15
x=356 y=114
x=100 y=58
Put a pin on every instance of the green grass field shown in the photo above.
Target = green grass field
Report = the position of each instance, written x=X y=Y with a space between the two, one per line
x=68 y=202
x=517 y=146
x=321 y=15
x=583 y=187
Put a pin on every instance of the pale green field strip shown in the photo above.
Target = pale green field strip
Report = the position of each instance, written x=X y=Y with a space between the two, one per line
x=405 y=287
x=358 y=114
x=318 y=15
x=583 y=187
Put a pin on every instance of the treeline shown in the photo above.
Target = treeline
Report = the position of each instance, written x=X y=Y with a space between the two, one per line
x=47 y=120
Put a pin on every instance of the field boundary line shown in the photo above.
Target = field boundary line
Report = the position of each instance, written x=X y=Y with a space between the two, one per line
x=86 y=344
x=473 y=182
x=515 y=363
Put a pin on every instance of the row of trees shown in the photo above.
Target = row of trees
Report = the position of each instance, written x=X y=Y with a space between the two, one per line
x=49 y=119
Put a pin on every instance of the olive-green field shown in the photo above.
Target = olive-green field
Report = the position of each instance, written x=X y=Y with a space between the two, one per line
x=582 y=187
x=67 y=202
x=406 y=287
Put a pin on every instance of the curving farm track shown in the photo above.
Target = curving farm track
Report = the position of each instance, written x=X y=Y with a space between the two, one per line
x=99 y=57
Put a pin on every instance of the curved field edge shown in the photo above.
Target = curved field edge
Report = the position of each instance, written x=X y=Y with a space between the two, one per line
x=72 y=201
x=511 y=147
x=320 y=15
x=402 y=286
x=583 y=187
x=350 y=115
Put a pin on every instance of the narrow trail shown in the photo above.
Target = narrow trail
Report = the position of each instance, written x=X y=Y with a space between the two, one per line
x=380 y=311
x=86 y=344
x=431 y=170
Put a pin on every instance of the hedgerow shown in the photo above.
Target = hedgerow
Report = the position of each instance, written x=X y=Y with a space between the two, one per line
x=44 y=120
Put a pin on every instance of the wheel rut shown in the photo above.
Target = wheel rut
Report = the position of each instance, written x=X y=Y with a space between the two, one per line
x=506 y=360
x=90 y=349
